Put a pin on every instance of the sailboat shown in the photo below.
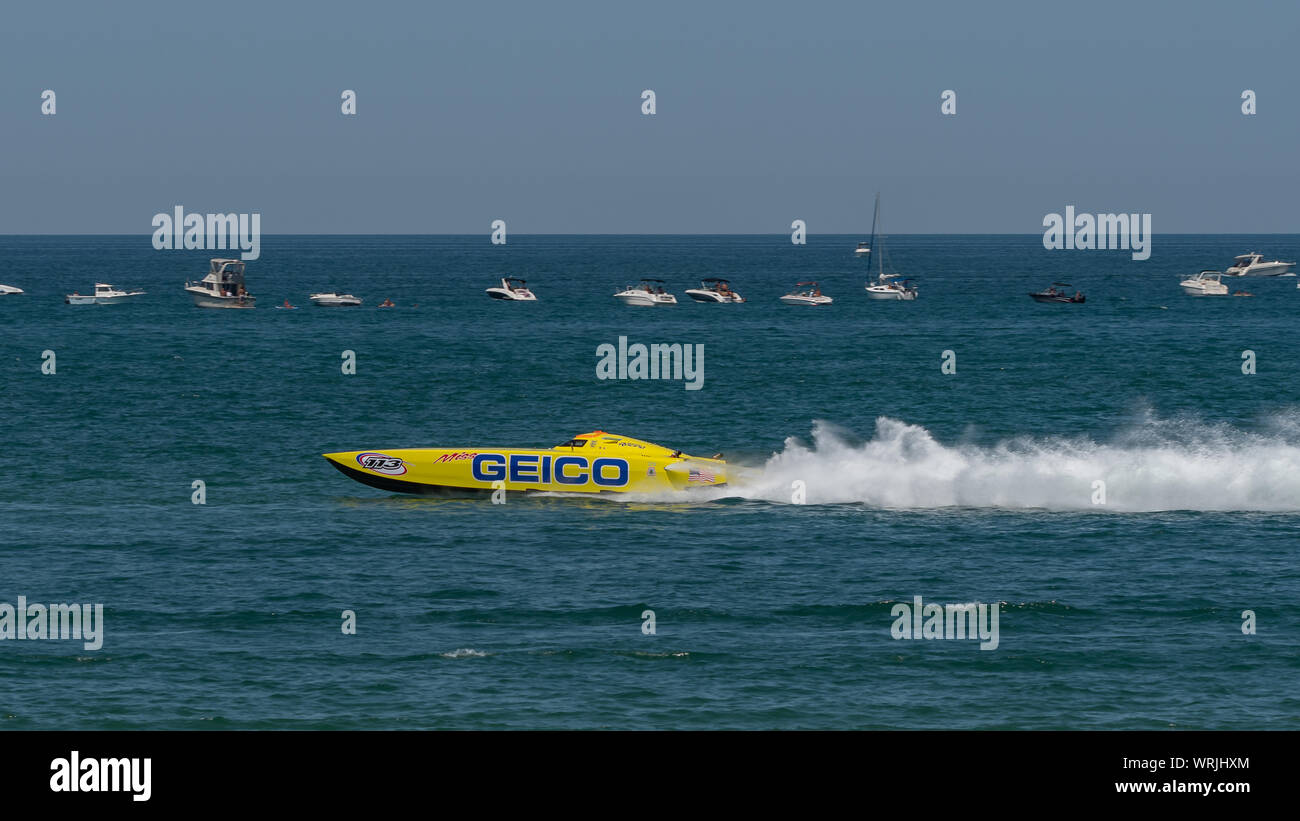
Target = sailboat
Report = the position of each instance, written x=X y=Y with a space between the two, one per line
x=885 y=286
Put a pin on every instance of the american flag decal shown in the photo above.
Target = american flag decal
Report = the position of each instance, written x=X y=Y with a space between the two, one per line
x=701 y=476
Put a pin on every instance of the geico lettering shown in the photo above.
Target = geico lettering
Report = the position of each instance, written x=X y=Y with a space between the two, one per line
x=532 y=468
x=489 y=467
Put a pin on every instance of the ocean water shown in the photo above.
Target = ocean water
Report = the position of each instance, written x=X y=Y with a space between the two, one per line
x=968 y=487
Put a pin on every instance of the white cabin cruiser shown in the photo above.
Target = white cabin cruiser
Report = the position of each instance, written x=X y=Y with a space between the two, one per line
x=1253 y=265
x=512 y=288
x=887 y=288
x=333 y=300
x=714 y=290
x=223 y=287
x=806 y=293
x=863 y=249
x=104 y=294
x=1206 y=283
x=9 y=290
x=649 y=292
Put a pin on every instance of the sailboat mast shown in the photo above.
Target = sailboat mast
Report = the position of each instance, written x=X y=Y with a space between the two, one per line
x=880 y=264
x=874 y=215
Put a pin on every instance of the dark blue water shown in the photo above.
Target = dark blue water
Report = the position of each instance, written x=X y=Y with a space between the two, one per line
x=976 y=486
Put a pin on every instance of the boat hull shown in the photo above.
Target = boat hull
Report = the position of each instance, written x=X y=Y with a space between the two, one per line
x=804 y=300
x=646 y=300
x=510 y=296
x=704 y=295
x=889 y=293
x=85 y=299
x=441 y=471
x=203 y=299
x=1065 y=299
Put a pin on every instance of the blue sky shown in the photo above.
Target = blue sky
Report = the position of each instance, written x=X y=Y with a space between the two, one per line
x=766 y=112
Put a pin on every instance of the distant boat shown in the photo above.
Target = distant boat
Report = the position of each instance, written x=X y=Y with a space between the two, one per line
x=1252 y=264
x=104 y=294
x=806 y=293
x=334 y=300
x=1055 y=294
x=9 y=290
x=223 y=287
x=514 y=289
x=714 y=290
x=1206 y=283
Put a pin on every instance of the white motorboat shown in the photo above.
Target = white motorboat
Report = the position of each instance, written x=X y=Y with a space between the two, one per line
x=1253 y=265
x=714 y=290
x=333 y=300
x=223 y=287
x=512 y=288
x=9 y=290
x=649 y=292
x=104 y=294
x=863 y=249
x=887 y=288
x=806 y=293
x=1206 y=283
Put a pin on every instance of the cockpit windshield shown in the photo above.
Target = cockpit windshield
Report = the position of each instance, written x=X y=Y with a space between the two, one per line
x=572 y=443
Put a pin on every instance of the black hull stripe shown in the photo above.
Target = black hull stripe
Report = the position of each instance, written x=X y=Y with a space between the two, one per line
x=398 y=486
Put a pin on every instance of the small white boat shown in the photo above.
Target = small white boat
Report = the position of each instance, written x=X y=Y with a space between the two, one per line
x=333 y=300
x=1253 y=265
x=649 y=292
x=714 y=290
x=512 y=288
x=9 y=290
x=806 y=293
x=887 y=288
x=223 y=287
x=1206 y=283
x=104 y=294
x=863 y=249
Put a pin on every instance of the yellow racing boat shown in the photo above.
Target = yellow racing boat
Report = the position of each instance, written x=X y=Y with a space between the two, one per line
x=596 y=462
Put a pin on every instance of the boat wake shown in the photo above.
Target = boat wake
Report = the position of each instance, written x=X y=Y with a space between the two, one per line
x=1153 y=466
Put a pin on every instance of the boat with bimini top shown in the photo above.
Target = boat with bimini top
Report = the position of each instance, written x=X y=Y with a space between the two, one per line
x=513 y=289
x=648 y=292
x=713 y=289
